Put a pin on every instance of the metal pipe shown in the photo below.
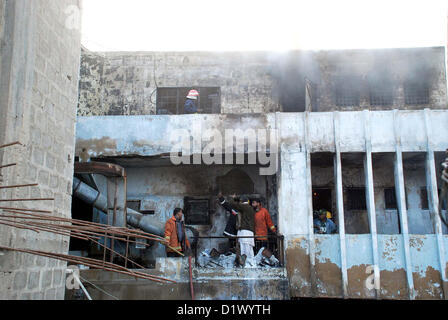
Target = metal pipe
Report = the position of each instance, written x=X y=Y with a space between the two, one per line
x=135 y=219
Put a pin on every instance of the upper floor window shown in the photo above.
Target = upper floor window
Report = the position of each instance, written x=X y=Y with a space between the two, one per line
x=380 y=91
x=416 y=92
x=347 y=91
x=356 y=198
x=172 y=100
x=390 y=199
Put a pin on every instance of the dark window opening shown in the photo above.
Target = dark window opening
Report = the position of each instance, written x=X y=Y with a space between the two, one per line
x=322 y=199
x=381 y=95
x=424 y=200
x=81 y=211
x=197 y=211
x=172 y=100
x=347 y=91
x=416 y=93
x=380 y=88
x=356 y=198
x=390 y=199
x=136 y=205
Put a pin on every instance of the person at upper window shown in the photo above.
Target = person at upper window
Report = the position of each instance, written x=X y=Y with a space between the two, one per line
x=191 y=102
x=323 y=225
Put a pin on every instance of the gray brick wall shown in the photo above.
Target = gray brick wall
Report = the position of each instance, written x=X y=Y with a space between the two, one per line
x=43 y=119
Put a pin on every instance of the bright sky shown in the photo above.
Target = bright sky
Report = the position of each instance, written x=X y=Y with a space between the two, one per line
x=234 y=25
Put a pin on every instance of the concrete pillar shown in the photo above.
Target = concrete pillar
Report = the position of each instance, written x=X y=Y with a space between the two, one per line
x=401 y=202
x=368 y=174
x=340 y=205
x=432 y=190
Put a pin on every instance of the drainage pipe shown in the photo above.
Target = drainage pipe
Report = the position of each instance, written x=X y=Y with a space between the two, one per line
x=135 y=219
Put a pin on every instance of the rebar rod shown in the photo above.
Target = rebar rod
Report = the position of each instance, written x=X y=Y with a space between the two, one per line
x=18 y=200
x=10 y=144
x=19 y=186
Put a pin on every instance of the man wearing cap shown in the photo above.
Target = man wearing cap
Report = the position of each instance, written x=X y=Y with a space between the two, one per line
x=190 y=104
x=323 y=225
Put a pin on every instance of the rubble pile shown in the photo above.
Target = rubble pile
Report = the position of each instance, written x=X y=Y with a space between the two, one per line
x=213 y=259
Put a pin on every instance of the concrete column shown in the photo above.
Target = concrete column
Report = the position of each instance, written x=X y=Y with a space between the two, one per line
x=432 y=190
x=309 y=217
x=340 y=205
x=368 y=174
x=401 y=202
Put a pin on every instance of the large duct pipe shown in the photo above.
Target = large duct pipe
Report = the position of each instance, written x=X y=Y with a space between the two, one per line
x=135 y=219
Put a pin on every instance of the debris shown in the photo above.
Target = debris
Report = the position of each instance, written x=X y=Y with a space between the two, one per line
x=228 y=260
x=214 y=253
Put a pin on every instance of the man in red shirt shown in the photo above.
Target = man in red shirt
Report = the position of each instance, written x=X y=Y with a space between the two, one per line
x=175 y=235
x=263 y=222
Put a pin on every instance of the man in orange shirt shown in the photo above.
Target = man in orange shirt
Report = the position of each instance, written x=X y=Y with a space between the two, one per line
x=263 y=222
x=175 y=234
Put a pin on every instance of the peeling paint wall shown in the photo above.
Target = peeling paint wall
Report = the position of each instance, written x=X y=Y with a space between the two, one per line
x=315 y=264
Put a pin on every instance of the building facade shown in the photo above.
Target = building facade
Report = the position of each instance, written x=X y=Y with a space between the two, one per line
x=360 y=133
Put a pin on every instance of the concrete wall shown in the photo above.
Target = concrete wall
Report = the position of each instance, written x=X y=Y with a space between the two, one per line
x=125 y=83
x=208 y=284
x=163 y=188
x=324 y=265
x=39 y=89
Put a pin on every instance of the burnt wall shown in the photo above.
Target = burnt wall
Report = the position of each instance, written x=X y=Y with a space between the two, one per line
x=125 y=83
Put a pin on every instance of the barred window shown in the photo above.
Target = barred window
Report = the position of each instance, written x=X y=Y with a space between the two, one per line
x=347 y=91
x=381 y=94
x=172 y=100
x=416 y=93
x=197 y=211
x=356 y=198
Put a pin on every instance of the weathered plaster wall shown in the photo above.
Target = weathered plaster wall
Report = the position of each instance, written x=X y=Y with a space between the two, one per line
x=38 y=97
x=313 y=270
x=162 y=189
x=124 y=83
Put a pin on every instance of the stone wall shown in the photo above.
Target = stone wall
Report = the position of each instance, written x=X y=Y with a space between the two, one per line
x=125 y=83
x=39 y=89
